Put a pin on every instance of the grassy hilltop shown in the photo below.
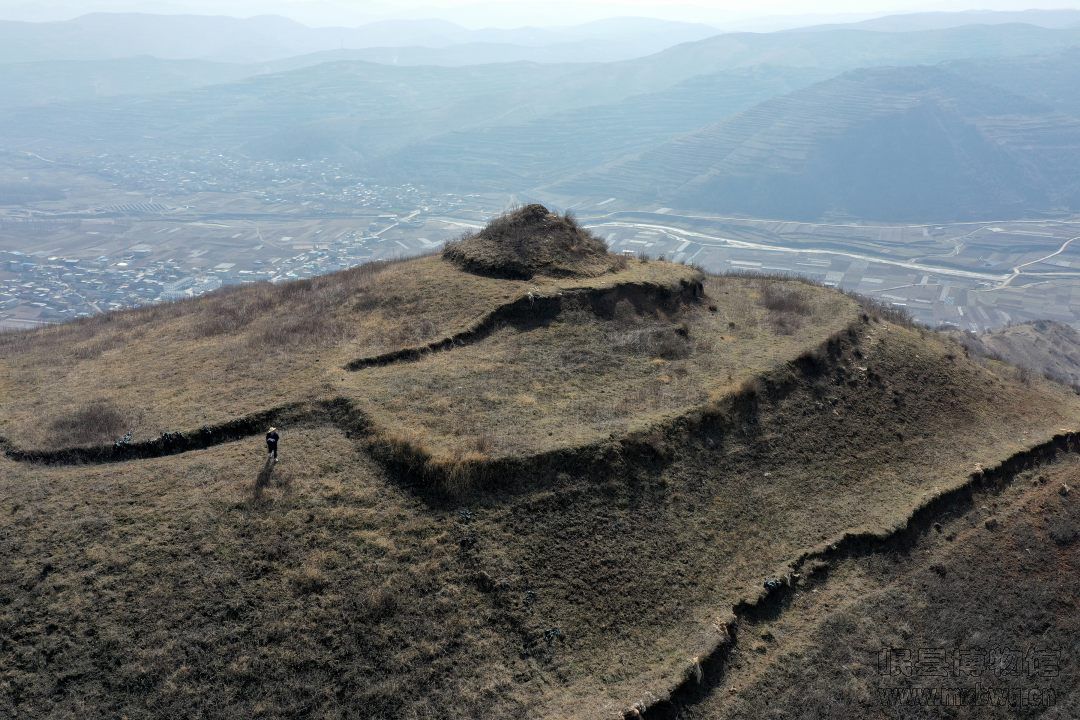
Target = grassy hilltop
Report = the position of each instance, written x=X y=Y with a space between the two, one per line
x=523 y=478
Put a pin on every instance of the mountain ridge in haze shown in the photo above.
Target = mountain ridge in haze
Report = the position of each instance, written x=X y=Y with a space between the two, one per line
x=265 y=38
x=914 y=22
x=914 y=143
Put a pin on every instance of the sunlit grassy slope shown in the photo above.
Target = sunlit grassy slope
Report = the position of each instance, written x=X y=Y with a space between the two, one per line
x=180 y=366
x=624 y=457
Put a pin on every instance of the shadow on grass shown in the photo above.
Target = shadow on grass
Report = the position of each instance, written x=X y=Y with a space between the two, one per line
x=263 y=480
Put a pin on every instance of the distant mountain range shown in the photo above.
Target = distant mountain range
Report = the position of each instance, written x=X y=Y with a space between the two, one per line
x=553 y=146
x=79 y=81
x=884 y=144
x=109 y=36
x=913 y=22
x=976 y=121
x=288 y=95
x=268 y=38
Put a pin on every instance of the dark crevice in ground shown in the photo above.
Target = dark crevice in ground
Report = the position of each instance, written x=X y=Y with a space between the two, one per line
x=170 y=443
x=533 y=311
x=648 y=449
x=645 y=451
x=709 y=672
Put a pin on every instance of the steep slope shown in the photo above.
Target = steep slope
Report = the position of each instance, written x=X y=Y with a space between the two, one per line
x=919 y=144
x=1044 y=348
x=975 y=615
x=560 y=510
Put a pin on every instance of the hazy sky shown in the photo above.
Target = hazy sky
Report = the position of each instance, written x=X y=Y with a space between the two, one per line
x=508 y=12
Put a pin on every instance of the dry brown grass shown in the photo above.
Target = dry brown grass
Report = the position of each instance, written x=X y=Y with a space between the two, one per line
x=585 y=376
x=856 y=449
x=162 y=588
x=789 y=298
x=183 y=365
x=173 y=593
x=336 y=583
x=787 y=304
x=963 y=587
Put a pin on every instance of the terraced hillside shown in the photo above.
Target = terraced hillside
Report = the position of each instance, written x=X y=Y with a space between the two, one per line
x=1048 y=79
x=383 y=119
x=994 y=587
x=885 y=143
x=351 y=111
x=179 y=367
x=561 y=497
x=553 y=147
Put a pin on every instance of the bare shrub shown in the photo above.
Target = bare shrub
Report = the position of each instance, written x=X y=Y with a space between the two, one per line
x=408 y=333
x=95 y=347
x=228 y=311
x=1063 y=379
x=881 y=310
x=528 y=241
x=293 y=331
x=785 y=323
x=98 y=421
x=306 y=312
x=787 y=304
x=233 y=316
x=484 y=443
x=224 y=322
x=669 y=343
x=783 y=298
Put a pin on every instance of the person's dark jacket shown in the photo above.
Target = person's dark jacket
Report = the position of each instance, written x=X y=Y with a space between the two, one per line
x=271 y=440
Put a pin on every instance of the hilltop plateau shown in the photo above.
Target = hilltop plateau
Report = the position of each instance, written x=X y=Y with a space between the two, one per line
x=521 y=478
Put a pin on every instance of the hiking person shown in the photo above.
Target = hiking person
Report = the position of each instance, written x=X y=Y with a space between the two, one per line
x=271 y=443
